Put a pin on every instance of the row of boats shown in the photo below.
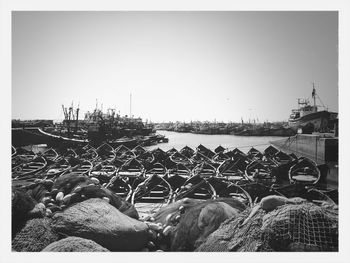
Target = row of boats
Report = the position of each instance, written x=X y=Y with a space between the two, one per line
x=139 y=175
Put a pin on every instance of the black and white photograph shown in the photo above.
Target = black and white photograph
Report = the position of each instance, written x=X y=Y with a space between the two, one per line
x=148 y=131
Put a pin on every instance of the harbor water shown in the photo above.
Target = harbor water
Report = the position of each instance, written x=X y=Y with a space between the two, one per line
x=244 y=143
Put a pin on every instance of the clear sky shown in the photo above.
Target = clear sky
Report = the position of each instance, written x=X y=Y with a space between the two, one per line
x=177 y=65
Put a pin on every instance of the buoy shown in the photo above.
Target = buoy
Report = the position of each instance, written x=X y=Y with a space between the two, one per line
x=182 y=209
x=166 y=230
x=177 y=218
x=106 y=199
x=66 y=199
x=95 y=180
x=48 y=212
x=59 y=196
x=151 y=245
x=77 y=189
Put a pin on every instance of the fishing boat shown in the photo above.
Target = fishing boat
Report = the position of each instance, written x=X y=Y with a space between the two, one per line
x=204 y=170
x=124 y=154
x=57 y=168
x=307 y=114
x=178 y=175
x=156 y=168
x=305 y=171
x=232 y=190
x=154 y=189
x=84 y=167
x=120 y=187
x=159 y=155
x=50 y=154
x=199 y=158
x=29 y=168
x=187 y=151
x=138 y=150
x=103 y=171
x=205 y=151
x=220 y=157
x=260 y=171
x=13 y=151
x=131 y=169
x=146 y=159
x=219 y=149
x=196 y=188
x=90 y=154
x=230 y=170
x=254 y=153
x=106 y=152
x=180 y=158
x=171 y=151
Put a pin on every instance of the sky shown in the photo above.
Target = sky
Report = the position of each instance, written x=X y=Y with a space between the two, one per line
x=178 y=66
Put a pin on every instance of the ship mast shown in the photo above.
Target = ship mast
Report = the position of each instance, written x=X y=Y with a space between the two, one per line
x=314 y=93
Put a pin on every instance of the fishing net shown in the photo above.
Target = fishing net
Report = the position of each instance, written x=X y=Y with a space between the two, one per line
x=305 y=227
x=302 y=227
x=35 y=236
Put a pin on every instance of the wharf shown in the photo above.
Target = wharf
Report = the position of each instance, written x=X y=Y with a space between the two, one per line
x=321 y=148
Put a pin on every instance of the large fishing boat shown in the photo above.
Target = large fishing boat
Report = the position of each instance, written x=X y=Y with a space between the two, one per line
x=310 y=115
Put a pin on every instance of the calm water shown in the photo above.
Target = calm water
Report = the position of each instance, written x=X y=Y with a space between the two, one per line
x=244 y=143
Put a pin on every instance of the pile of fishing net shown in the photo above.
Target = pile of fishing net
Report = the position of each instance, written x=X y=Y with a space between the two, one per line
x=74 y=244
x=101 y=222
x=290 y=227
x=36 y=235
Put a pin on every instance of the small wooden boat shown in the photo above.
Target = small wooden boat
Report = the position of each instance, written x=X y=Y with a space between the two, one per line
x=131 y=169
x=121 y=149
x=106 y=152
x=124 y=154
x=171 y=151
x=120 y=187
x=178 y=175
x=260 y=171
x=156 y=168
x=254 y=153
x=146 y=159
x=220 y=157
x=103 y=171
x=219 y=149
x=90 y=154
x=187 y=151
x=270 y=151
x=57 y=168
x=196 y=188
x=24 y=155
x=70 y=153
x=230 y=170
x=235 y=153
x=154 y=189
x=204 y=170
x=199 y=158
x=29 y=168
x=138 y=150
x=305 y=171
x=50 y=154
x=180 y=158
x=205 y=151
x=159 y=155
x=230 y=189
x=84 y=167
x=13 y=151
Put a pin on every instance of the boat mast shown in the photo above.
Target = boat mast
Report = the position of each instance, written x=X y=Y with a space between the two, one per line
x=314 y=93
